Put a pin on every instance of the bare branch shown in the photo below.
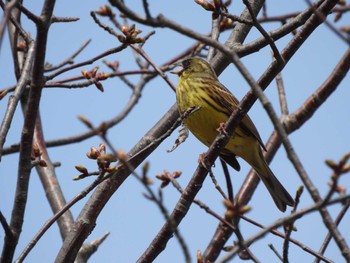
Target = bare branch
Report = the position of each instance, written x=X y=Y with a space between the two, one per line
x=70 y=59
x=14 y=99
x=37 y=81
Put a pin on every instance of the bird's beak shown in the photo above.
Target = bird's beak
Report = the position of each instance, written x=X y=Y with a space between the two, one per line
x=177 y=72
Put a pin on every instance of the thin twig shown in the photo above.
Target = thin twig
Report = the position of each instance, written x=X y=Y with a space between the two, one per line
x=14 y=99
x=284 y=220
x=87 y=250
x=70 y=59
x=217 y=186
x=269 y=40
x=215 y=33
x=7 y=12
x=5 y=225
x=282 y=95
x=156 y=68
x=159 y=202
x=87 y=62
x=329 y=236
x=329 y=25
x=57 y=215
x=271 y=246
x=289 y=226
x=292 y=240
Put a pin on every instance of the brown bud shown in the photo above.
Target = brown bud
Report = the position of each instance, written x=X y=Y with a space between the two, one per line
x=229 y=214
x=99 y=86
x=337 y=16
x=80 y=176
x=86 y=74
x=42 y=163
x=111 y=169
x=81 y=169
x=345 y=29
x=109 y=158
x=94 y=71
x=3 y=93
x=93 y=154
x=36 y=150
x=102 y=76
x=227 y=248
x=177 y=174
x=300 y=190
x=102 y=148
x=145 y=168
x=132 y=28
x=346 y=157
x=345 y=169
x=22 y=46
x=331 y=164
x=206 y=5
x=105 y=11
x=244 y=209
x=147 y=181
x=199 y=257
x=113 y=66
x=138 y=40
x=85 y=121
x=121 y=38
x=124 y=29
x=121 y=155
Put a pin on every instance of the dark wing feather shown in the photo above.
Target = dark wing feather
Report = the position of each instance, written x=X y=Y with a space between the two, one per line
x=230 y=102
x=231 y=160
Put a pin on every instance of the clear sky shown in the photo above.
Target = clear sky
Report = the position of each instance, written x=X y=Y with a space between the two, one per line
x=131 y=219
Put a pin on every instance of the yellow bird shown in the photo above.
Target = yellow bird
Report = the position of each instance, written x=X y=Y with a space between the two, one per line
x=199 y=87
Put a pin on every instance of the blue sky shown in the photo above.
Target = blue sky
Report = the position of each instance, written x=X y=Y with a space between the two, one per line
x=132 y=220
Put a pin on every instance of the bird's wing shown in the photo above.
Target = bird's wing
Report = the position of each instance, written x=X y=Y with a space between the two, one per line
x=230 y=103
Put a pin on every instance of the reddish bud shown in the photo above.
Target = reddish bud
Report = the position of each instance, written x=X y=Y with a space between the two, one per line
x=93 y=154
x=105 y=11
x=94 y=70
x=86 y=74
x=113 y=66
x=22 y=46
x=42 y=163
x=102 y=76
x=124 y=29
x=177 y=174
x=99 y=86
x=206 y=5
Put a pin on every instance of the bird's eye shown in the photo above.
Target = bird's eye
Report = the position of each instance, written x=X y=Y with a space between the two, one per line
x=186 y=63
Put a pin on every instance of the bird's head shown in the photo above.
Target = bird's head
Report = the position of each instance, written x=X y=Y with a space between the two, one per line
x=193 y=67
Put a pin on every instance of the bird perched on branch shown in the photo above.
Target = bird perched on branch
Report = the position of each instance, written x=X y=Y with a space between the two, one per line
x=200 y=88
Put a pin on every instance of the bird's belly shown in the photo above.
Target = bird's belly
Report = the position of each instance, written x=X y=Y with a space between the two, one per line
x=205 y=126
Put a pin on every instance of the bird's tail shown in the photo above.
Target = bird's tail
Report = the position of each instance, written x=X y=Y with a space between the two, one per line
x=278 y=193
